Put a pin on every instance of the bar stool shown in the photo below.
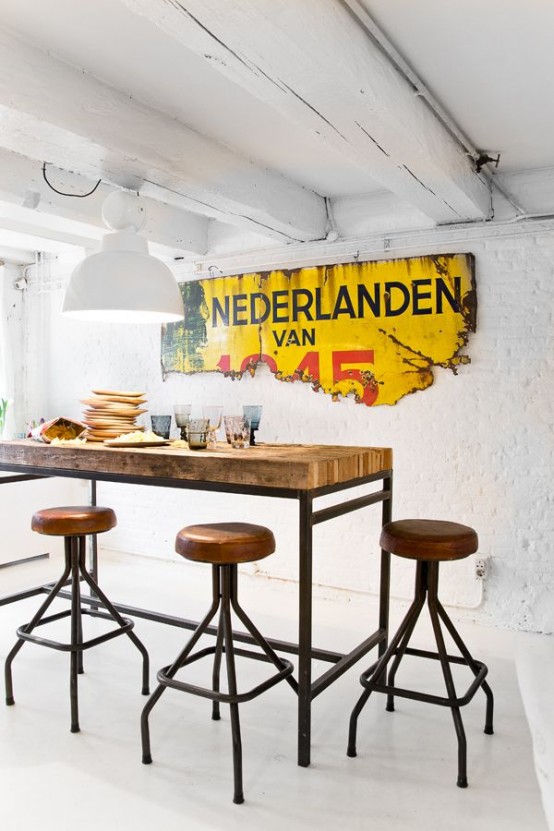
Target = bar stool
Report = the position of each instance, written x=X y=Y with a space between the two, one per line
x=223 y=545
x=74 y=523
x=428 y=542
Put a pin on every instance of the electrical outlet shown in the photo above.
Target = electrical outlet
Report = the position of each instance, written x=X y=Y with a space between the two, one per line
x=480 y=568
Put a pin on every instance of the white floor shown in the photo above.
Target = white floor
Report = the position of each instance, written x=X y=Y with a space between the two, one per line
x=404 y=776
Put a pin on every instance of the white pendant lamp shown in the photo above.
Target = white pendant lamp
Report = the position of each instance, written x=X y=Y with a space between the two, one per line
x=123 y=283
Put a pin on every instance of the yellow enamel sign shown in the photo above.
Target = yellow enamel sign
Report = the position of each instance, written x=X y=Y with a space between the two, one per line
x=374 y=330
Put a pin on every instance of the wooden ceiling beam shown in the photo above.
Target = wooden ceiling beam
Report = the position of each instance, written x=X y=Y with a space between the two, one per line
x=315 y=63
x=54 y=112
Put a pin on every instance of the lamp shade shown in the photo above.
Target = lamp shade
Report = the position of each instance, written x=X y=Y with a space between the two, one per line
x=123 y=283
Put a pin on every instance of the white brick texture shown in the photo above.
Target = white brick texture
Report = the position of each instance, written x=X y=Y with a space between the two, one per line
x=475 y=448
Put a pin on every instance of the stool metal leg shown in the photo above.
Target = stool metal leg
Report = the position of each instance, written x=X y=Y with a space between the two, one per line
x=258 y=637
x=171 y=672
x=448 y=680
x=95 y=588
x=353 y=725
x=80 y=665
x=420 y=594
x=80 y=662
x=471 y=664
x=76 y=630
x=227 y=571
x=217 y=668
x=216 y=671
x=31 y=625
x=375 y=672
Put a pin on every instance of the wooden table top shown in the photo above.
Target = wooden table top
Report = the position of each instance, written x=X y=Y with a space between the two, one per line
x=291 y=466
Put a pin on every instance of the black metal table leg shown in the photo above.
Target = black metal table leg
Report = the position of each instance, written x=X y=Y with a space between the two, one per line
x=305 y=630
x=384 y=588
x=93 y=543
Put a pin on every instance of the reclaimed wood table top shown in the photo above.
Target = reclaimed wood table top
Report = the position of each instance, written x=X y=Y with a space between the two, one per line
x=290 y=466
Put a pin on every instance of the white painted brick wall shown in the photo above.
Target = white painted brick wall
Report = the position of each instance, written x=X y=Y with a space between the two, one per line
x=476 y=448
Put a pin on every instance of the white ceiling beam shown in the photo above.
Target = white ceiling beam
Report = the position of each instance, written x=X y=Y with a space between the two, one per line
x=54 y=112
x=34 y=240
x=27 y=199
x=375 y=213
x=15 y=256
x=314 y=62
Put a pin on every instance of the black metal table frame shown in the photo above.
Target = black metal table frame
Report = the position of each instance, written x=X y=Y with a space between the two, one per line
x=308 y=689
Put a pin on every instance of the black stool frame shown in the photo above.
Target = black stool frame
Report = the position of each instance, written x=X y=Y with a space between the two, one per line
x=75 y=566
x=224 y=597
x=426 y=585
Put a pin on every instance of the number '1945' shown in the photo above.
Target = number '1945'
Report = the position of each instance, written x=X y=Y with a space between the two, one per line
x=346 y=365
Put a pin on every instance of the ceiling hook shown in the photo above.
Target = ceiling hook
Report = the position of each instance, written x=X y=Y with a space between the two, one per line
x=483 y=159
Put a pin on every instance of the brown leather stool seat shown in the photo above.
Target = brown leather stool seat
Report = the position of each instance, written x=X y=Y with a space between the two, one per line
x=225 y=542
x=223 y=545
x=429 y=539
x=74 y=523
x=428 y=542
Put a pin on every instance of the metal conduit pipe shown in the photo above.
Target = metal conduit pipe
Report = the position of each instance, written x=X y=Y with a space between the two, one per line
x=420 y=89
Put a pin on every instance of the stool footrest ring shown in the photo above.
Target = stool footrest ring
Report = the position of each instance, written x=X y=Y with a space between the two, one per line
x=460 y=701
x=67 y=647
x=225 y=698
x=433 y=699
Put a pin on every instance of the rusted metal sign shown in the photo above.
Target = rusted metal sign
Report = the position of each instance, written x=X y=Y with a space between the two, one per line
x=374 y=330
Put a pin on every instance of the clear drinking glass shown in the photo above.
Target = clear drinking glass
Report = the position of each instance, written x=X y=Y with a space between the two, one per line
x=237 y=430
x=182 y=417
x=197 y=433
x=213 y=412
x=253 y=412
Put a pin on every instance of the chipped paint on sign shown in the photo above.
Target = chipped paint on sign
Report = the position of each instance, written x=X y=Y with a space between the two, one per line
x=373 y=330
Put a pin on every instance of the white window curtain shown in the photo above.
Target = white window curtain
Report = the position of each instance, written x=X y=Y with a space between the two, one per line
x=6 y=362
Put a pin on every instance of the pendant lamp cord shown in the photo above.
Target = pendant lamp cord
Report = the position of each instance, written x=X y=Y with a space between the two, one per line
x=61 y=193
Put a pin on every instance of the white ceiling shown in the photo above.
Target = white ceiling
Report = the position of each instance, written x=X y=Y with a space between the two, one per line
x=124 y=50
x=489 y=62
x=488 y=65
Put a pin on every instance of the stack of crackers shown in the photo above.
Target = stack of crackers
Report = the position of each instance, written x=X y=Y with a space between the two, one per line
x=110 y=413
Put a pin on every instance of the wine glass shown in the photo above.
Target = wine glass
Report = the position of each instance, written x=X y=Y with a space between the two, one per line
x=213 y=412
x=182 y=417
